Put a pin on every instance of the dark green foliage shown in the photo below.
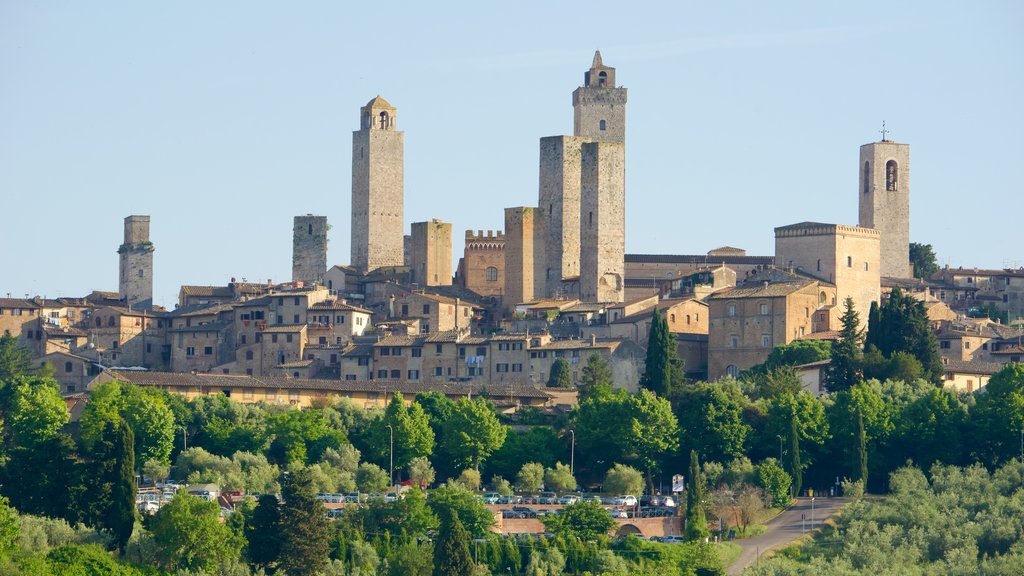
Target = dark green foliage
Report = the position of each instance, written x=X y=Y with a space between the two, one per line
x=922 y=258
x=775 y=482
x=793 y=354
x=190 y=536
x=696 y=523
x=304 y=529
x=473 y=515
x=451 y=548
x=998 y=417
x=710 y=420
x=262 y=532
x=663 y=371
x=120 y=516
x=862 y=450
x=561 y=374
x=539 y=444
x=845 y=369
x=411 y=558
x=412 y=434
x=45 y=480
x=583 y=520
x=903 y=326
x=15 y=358
x=595 y=374
x=86 y=561
x=795 y=468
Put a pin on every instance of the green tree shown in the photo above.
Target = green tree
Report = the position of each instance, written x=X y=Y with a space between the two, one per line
x=9 y=527
x=120 y=516
x=711 y=420
x=998 y=416
x=473 y=432
x=622 y=479
x=371 y=478
x=922 y=258
x=46 y=479
x=845 y=368
x=653 y=430
x=537 y=444
x=862 y=450
x=145 y=412
x=559 y=478
x=696 y=523
x=903 y=326
x=15 y=358
x=263 y=533
x=595 y=374
x=663 y=370
x=774 y=481
x=470 y=479
x=304 y=528
x=421 y=473
x=862 y=401
x=794 y=354
x=411 y=558
x=931 y=429
x=561 y=374
x=413 y=436
x=451 y=549
x=530 y=477
x=795 y=468
x=37 y=413
x=190 y=536
x=584 y=520
x=474 y=515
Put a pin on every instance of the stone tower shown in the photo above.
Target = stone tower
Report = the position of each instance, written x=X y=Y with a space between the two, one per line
x=136 y=282
x=602 y=222
x=560 y=204
x=431 y=253
x=884 y=193
x=524 y=237
x=377 y=188
x=309 y=249
x=599 y=108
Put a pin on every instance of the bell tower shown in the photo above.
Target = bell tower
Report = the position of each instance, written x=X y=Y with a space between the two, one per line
x=377 y=188
x=599 y=107
x=884 y=193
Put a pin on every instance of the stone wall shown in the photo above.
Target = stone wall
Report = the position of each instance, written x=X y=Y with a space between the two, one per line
x=483 y=262
x=309 y=249
x=884 y=194
x=430 y=254
x=377 y=193
x=602 y=222
x=524 y=240
x=136 y=263
x=560 y=204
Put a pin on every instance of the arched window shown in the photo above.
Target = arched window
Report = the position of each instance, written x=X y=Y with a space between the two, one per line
x=867 y=177
x=99 y=321
x=672 y=318
x=384 y=120
x=687 y=318
x=602 y=125
x=891 y=183
x=849 y=261
x=492 y=274
x=732 y=371
x=310 y=229
x=821 y=298
x=602 y=79
x=819 y=264
x=111 y=321
x=248 y=354
x=68 y=367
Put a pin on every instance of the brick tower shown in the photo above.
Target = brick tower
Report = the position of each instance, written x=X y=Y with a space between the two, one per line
x=430 y=254
x=136 y=278
x=377 y=188
x=599 y=108
x=884 y=193
x=602 y=222
x=309 y=249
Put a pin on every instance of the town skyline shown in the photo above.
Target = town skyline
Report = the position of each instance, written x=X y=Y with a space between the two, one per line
x=223 y=140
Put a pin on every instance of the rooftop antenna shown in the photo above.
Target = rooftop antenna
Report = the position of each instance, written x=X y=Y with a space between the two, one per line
x=883 y=131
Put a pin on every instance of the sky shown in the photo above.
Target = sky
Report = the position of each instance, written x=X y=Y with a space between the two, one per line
x=223 y=120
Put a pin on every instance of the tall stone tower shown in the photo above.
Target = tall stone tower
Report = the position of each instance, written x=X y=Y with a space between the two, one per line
x=136 y=278
x=602 y=222
x=524 y=234
x=885 y=202
x=560 y=205
x=309 y=249
x=431 y=253
x=377 y=188
x=599 y=108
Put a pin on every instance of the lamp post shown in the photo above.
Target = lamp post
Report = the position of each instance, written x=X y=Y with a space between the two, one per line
x=779 y=436
x=391 y=455
x=812 y=512
x=572 y=453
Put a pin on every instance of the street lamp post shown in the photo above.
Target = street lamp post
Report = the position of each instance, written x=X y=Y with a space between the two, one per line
x=391 y=455
x=812 y=512
x=572 y=453
x=779 y=436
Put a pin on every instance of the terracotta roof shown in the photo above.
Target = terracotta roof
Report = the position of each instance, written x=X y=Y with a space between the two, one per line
x=337 y=305
x=694 y=259
x=773 y=290
x=199 y=309
x=400 y=340
x=378 y=102
x=445 y=336
x=972 y=367
x=1015 y=349
x=574 y=345
x=297 y=364
x=822 y=335
x=218 y=291
x=358 y=350
x=586 y=307
x=23 y=303
x=510 y=337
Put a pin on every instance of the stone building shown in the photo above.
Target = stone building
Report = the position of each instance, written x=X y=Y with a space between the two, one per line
x=430 y=254
x=524 y=256
x=136 y=266
x=599 y=107
x=560 y=173
x=482 y=268
x=885 y=202
x=377 y=188
x=602 y=222
x=845 y=256
x=309 y=249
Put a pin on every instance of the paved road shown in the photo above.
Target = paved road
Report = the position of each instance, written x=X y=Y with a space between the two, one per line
x=784 y=528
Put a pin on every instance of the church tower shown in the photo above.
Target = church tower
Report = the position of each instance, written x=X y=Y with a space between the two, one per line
x=136 y=266
x=884 y=193
x=377 y=188
x=599 y=108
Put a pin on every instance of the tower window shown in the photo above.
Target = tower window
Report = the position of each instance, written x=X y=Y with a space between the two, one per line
x=492 y=274
x=602 y=125
x=867 y=177
x=310 y=229
x=891 y=183
x=849 y=261
x=142 y=273
x=384 y=120
x=590 y=218
x=602 y=79
x=819 y=264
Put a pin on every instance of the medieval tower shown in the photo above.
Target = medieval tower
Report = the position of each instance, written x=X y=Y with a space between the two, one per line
x=377 y=188
x=599 y=115
x=885 y=202
x=430 y=253
x=136 y=267
x=309 y=249
x=602 y=222
x=524 y=237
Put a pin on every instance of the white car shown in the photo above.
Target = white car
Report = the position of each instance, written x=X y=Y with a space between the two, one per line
x=568 y=500
x=626 y=500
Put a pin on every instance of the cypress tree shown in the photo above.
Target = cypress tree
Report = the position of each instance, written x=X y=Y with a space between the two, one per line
x=262 y=532
x=663 y=370
x=696 y=523
x=120 y=516
x=561 y=374
x=862 y=450
x=796 y=470
x=451 y=550
x=304 y=528
x=845 y=369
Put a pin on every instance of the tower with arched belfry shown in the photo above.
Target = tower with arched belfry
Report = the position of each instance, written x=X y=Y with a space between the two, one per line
x=884 y=192
x=599 y=106
x=377 y=188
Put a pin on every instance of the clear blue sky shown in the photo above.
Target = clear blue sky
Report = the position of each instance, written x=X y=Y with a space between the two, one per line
x=223 y=120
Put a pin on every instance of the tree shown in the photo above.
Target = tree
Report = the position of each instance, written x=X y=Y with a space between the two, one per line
x=371 y=478
x=583 y=520
x=421 y=473
x=451 y=549
x=998 y=417
x=189 y=535
x=559 y=478
x=120 y=516
x=474 y=515
x=663 y=371
x=9 y=527
x=845 y=368
x=711 y=420
x=46 y=479
x=794 y=354
x=795 y=469
x=470 y=479
x=561 y=374
x=922 y=258
x=696 y=523
x=653 y=430
x=145 y=412
x=862 y=401
x=903 y=326
x=595 y=374
x=15 y=358
x=155 y=470
x=775 y=482
x=473 y=432
x=530 y=477
x=37 y=411
x=263 y=533
x=862 y=449
x=413 y=436
x=304 y=528
x=622 y=479
x=537 y=444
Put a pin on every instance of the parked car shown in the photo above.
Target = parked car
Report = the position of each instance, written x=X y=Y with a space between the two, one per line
x=672 y=539
x=510 y=500
x=618 y=513
x=625 y=500
x=547 y=498
x=568 y=500
x=491 y=498
x=525 y=512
